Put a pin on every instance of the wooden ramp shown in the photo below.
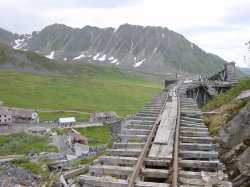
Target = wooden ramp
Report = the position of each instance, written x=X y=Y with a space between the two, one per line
x=163 y=144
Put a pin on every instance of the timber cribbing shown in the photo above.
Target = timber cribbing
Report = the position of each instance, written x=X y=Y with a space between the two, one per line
x=166 y=144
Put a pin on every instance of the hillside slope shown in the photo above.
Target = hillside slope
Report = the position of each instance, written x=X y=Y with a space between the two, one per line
x=26 y=61
x=76 y=86
x=7 y=37
x=231 y=130
x=146 y=49
x=244 y=70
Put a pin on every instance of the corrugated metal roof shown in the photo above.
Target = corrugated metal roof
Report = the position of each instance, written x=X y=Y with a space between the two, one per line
x=67 y=120
x=22 y=112
x=104 y=114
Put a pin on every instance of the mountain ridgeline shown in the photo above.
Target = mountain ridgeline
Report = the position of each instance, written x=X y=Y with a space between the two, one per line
x=144 y=49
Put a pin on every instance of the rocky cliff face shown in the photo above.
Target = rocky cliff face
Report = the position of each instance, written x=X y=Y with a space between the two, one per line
x=237 y=130
x=146 y=49
x=234 y=139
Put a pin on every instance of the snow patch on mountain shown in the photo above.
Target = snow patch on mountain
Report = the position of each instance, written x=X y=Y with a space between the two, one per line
x=155 y=50
x=137 y=64
x=163 y=35
x=114 y=61
x=96 y=56
x=51 y=55
x=64 y=59
x=102 y=58
x=19 y=43
x=79 y=57
x=29 y=36
x=111 y=58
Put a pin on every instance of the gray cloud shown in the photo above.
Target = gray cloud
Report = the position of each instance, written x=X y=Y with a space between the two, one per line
x=24 y=16
x=209 y=29
x=106 y=4
x=238 y=15
x=94 y=4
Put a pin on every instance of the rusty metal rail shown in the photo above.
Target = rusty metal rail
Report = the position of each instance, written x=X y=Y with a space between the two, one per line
x=176 y=145
x=137 y=168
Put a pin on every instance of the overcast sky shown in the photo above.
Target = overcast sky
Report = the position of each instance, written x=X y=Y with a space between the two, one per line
x=221 y=27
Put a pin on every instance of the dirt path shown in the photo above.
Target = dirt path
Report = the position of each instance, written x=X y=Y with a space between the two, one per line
x=47 y=110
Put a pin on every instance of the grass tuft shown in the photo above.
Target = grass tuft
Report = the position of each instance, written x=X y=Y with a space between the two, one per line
x=23 y=143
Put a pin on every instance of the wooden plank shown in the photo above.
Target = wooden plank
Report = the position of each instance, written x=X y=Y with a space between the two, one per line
x=196 y=146
x=185 y=139
x=145 y=118
x=134 y=126
x=198 y=154
x=192 y=119
x=74 y=173
x=108 y=181
x=128 y=145
x=201 y=164
x=118 y=170
x=194 y=134
x=132 y=137
x=123 y=152
x=192 y=125
x=204 y=129
x=136 y=131
x=117 y=160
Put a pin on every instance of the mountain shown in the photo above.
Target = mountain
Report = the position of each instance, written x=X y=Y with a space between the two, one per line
x=34 y=81
x=244 y=70
x=145 y=49
x=27 y=61
x=7 y=37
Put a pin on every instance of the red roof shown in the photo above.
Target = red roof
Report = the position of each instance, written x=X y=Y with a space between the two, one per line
x=77 y=137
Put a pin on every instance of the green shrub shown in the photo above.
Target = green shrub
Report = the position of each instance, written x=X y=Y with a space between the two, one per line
x=21 y=160
x=23 y=143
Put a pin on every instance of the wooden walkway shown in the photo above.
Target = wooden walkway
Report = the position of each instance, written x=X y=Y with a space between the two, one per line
x=167 y=144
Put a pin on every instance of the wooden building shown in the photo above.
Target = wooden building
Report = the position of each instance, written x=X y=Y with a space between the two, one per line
x=5 y=117
x=103 y=116
x=75 y=137
x=21 y=115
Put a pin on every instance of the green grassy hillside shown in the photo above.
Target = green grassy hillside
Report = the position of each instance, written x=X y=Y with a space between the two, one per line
x=222 y=99
x=104 y=90
x=226 y=106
